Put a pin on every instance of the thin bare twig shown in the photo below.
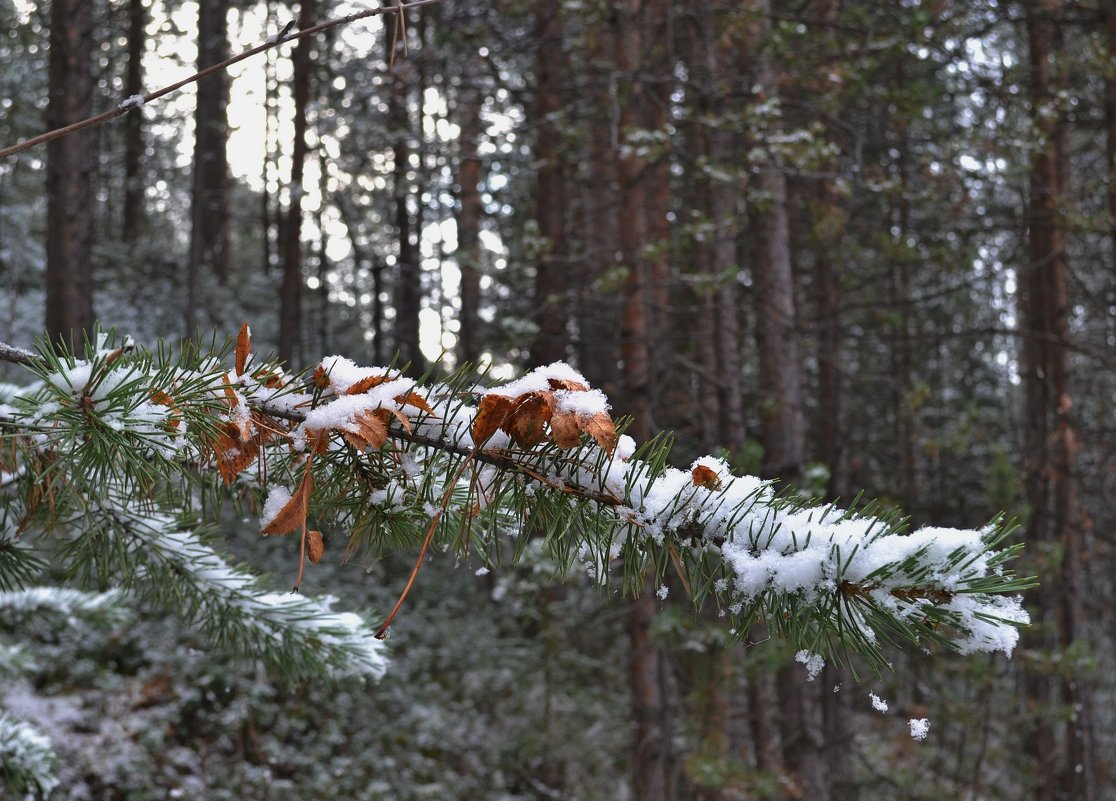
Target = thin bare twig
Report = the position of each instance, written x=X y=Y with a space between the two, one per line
x=130 y=104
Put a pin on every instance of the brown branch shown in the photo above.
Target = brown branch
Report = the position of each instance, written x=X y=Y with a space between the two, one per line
x=128 y=105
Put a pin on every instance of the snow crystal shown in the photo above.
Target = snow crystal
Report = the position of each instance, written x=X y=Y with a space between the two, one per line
x=920 y=727
x=662 y=592
x=879 y=704
x=481 y=571
x=135 y=101
x=813 y=662
x=277 y=498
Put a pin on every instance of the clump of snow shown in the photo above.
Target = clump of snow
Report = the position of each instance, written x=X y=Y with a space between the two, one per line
x=538 y=380
x=662 y=592
x=920 y=727
x=277 y=498
x=587 y=402
x=813 y=662
x=481 y=571
x=134 y=101
x=879 y=704
x=343 y=373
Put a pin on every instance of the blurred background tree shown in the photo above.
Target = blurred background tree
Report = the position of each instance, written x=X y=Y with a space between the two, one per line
x=857 y=246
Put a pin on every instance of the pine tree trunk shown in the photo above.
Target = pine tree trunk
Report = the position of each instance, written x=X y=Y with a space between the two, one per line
x=69 y=280
x=597 y=313
x=408 y=283
x=652 y=758
x=780 y=387
x=1109 y=11
x=1050 y=445
x=552 y=272
x=133 y=125
x=469 y=216
x=209 y=230
x=290 y=306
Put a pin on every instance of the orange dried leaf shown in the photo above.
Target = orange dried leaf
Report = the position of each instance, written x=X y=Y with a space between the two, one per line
x=600 y=427
x=367 y=383
x=293 y=514
x=234 y=452
x=526 y=423
x=315 y=547
x=414 y=399
x=355 y=439
x=705 y=477
x=230 y=395
x=243 y=348
x=564 y=430
x=492 y=411
x=373 y=428
x=569 y=386
x=320 y=379
x=174 y=419
x=403 y=421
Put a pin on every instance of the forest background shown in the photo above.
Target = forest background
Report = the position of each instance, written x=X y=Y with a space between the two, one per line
x=854 y=246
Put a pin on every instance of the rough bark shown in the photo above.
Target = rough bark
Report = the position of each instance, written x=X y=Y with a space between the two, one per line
x=469 y=217
x=290 y=301
x=780 y=387
x=1050 y=446
x=408 y=270
x=209 y=229
x=133 y=124
x=652 y=757
x=1109 y=10
x=69 y=280
x=552 y=272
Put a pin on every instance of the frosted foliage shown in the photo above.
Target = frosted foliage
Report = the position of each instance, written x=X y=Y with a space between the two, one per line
x=26 y=756
x=920 y=727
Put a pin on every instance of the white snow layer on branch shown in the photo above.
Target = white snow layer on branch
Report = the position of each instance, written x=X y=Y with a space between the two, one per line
x=69 y=603
x=26 y=758
x=230 y=602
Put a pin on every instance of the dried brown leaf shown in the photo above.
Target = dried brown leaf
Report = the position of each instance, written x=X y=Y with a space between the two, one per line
x=373 y=427
x=414 y=399
x=243 y=348
x=526 y=424
x=600 y=427
x=293 y=514
x=564 y=430
x=705 y=477
x=315 y=547
x=367 y=383
x=492 y=411
x=569 y=386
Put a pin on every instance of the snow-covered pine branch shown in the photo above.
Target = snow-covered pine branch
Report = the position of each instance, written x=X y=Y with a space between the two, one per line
x=27 y=759
x=390 y=464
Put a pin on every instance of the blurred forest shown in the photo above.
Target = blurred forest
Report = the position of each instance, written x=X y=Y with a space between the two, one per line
x=853 y=245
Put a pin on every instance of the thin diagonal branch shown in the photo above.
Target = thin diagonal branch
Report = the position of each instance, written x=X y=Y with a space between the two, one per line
x=129 y=104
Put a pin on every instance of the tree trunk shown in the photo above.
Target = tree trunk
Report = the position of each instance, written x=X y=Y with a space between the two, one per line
x=780 y=387
x=1109 y=11
x=552 y=273
x=69 y=280
x=209 y=230
x=408 y=284
x=133 y=125
x=1050 y=445
x=469 y=215
x=652 y=758
x=290 y=306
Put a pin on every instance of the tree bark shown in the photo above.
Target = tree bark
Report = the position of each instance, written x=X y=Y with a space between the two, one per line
x=408 y=284
x=652 y=757
x=469 y=216
x=209 y=230
x=552 y=272
x=290 y=305
x=1050 y=444
x=780 y=387
x=133 y=125
x=69 y=280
